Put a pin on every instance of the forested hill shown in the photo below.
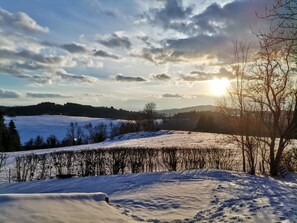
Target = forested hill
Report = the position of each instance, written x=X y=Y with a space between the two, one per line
x=70 y=109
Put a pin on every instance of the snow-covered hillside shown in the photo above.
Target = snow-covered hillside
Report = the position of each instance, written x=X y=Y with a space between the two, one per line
x=163 y=138
x=189 y=196
x=46 y=125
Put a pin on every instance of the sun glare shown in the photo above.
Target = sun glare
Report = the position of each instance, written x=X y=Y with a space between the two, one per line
x=219 y=86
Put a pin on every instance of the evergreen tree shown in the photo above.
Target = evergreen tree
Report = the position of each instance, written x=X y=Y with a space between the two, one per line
x=29 y=144
x=12 y=140
x=39 y=142
x=2 y=131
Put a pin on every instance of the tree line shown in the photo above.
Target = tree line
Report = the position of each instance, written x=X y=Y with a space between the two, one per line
x=78 y=135
x=70 y=109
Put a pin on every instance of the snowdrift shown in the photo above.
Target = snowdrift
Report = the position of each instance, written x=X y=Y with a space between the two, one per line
x=58 y=207
x=188 y=196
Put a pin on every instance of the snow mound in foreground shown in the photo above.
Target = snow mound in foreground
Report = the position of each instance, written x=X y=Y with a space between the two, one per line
x=58 y=207
x=188 y=196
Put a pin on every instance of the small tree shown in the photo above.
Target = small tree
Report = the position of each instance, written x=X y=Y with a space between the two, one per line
x=3 y=156
x=75 y=135
x=239 y=109
x=149 y=116
x=39 y=142
x=97 y=133
x=2 y=132
x=14 y=137
x=52 y=141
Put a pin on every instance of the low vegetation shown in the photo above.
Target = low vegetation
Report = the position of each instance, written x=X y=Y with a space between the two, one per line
x=121 y=161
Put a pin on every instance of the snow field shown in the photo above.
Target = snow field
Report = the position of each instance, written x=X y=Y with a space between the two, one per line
x=58 y=207
x=188 y=196
x=46 y=125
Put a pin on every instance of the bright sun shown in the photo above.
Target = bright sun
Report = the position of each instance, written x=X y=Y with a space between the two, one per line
x=219 y=86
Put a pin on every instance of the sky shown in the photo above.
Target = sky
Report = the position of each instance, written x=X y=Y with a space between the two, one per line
x=122 y=53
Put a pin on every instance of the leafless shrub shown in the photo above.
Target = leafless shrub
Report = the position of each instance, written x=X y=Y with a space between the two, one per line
x=120 y=161
x=3 y=158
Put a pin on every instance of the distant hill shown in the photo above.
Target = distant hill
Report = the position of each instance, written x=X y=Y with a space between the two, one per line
x=70 y=109
x=188 y=109
x=2 y=109
x=73 y=109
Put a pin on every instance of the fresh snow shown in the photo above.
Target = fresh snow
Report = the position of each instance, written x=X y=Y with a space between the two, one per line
x=58 y=207
x=46 y=125
x=157 y=139
x=189 y=196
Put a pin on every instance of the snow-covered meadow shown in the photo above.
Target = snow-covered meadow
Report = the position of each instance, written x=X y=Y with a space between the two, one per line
x=187 y=196
x=46 y=125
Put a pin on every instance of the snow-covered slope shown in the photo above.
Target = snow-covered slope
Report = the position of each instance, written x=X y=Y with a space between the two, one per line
x=158 y=139
x=163 y=138
x=46 y=125
x=189 y=196
x=58 y=207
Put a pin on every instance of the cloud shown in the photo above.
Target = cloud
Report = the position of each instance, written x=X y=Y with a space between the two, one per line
x=99 y=8
x=171 y=96
x=162 y=77
x=25 y=64
x=20 y=21
x=116 y=41
x=74 y=48
x=129 y=79
x=206 y=35
x=9 y=94
x=234 y=19
x=45 y=95
x=29 y=56
x=80 y=49
x=102 y=53
x=93 y=95
x=171 y=16
x=202 y=76
x=216 y=48
x=72 y=77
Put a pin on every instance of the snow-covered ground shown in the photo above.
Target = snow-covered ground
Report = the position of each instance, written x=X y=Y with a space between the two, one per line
x=158 y=139
x=46 y=125
x=163 y=138
x=189 y=196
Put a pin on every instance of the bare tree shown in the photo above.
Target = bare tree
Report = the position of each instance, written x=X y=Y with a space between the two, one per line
x=238 y=108
x=264 y=97
x=75 y=135
x=273 y=80
x=275 y=93
x=149 y=116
